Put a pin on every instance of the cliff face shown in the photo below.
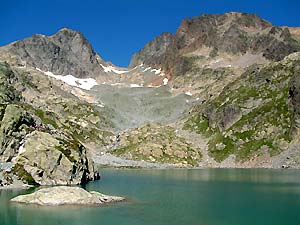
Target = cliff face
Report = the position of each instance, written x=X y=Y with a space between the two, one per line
x=42 y=146
x=66 y=52
x=153 y=53
x=212 y=35
x=294 y=95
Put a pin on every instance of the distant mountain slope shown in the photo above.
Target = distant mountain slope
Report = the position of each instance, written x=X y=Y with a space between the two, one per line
x=253 y=122
x=223 y=91
x=256 y=116
x=209 y=38
x=133 y=107
x=66 y=52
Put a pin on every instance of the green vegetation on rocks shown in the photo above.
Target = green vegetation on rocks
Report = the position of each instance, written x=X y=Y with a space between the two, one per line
x=54 y=160
x=36 y=137
x=251 y=116
x=157 y=143
x=26 y=177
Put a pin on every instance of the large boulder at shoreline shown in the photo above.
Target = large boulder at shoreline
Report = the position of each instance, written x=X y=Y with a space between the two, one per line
x=46 y=159
x=66 y=196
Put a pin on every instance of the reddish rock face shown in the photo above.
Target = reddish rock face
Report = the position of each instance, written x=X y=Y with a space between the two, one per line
x=232 y=33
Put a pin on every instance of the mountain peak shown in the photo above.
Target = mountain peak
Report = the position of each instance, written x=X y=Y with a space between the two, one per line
x=221 y=21
x=210 y=35
x=65 y=52
x=66 y=29
x=67 y=32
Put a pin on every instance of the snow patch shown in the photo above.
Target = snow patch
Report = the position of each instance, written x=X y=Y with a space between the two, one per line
x=116 y=84
x=153 y=86
x=85 y=84
x=188 y=93
x=135 y=85
x=156 y=71
x=21 y=149
x=162 y=74
x=38 y=69
x=165 y=81
x=145 y=70
x=112 y=69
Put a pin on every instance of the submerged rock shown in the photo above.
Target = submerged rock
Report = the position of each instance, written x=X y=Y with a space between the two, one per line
x=66 y=196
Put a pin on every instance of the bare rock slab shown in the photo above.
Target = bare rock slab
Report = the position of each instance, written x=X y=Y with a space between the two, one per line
x=63 y=195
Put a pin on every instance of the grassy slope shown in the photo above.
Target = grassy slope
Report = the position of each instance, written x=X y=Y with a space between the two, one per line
x=262 y=95
x=157 y=143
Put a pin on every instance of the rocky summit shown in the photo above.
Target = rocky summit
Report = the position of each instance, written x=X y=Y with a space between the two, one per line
x=229 y=34
x=223 y=91
x=66 y=52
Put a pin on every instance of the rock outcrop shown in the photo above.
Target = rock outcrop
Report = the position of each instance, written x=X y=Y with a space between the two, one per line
x=56 y=196
x=294 y=95
x=53 y=160
x=214 y=35
x=41 y=151
x=157 y=143
x=66 y=52
x=255 y=116
x=153 y=52
x=15 y=124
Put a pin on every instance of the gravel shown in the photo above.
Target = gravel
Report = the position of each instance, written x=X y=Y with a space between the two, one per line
x=107 y=159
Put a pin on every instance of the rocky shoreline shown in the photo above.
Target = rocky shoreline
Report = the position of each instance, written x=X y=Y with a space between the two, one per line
x=109 y=160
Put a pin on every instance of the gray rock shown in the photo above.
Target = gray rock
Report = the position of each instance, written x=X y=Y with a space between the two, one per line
x=47 y=160
x=15 y=124
x=153 y=51
x=294 y=95
x=66 y=52
x=224 y=118
x=8 y=93
x=229 y=116
x=56 y=196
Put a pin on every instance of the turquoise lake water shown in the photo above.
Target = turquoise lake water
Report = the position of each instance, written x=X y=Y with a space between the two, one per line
x=175 y=197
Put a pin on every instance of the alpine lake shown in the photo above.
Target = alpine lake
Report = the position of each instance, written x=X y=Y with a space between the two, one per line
x=174 y=197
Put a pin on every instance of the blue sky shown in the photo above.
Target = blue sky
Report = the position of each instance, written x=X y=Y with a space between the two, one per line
x=119 y=28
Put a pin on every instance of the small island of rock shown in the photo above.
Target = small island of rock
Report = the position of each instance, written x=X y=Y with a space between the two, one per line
x=63 y=195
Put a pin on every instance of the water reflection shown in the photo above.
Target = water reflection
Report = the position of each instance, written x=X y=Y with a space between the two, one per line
x=228 y=175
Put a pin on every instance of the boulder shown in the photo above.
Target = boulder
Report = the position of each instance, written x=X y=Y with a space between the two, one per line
x=224 y=118
x=63 y=195
x=46 y=159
